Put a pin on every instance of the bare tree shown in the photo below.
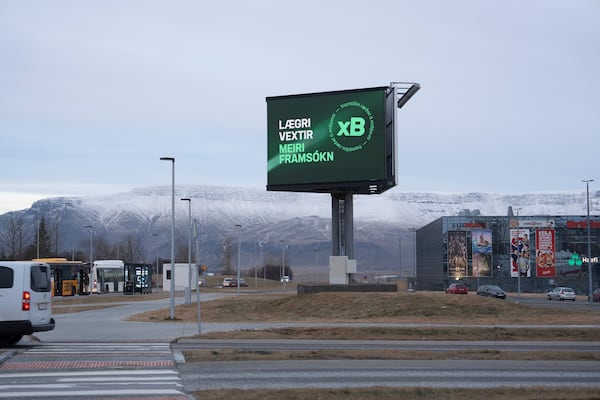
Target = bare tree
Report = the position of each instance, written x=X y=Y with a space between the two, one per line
x=103 y=250
x=227 y=255
x=14 y=237
x=55 y=225
x=131 y=249
x=40 y=247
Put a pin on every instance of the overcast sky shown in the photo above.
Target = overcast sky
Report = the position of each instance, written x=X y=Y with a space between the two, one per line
x=93 y=93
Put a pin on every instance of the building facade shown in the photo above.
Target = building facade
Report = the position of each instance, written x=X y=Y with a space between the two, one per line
x=522 y=253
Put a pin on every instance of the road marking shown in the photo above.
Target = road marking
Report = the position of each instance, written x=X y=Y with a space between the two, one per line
x=78 y=370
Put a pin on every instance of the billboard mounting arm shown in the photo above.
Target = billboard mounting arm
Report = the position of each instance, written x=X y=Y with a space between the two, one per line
x=404 y=91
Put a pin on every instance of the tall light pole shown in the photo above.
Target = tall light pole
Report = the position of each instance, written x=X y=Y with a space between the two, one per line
x=282 y=262
x=155 y=274
x=172 y=308
x=589 y=240
x=91 y=259
x=188 y=288
x=238 y=256
x=38 y=238
x=197 y=276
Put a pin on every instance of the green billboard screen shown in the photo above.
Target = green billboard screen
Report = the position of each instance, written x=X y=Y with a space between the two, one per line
x=339 y=141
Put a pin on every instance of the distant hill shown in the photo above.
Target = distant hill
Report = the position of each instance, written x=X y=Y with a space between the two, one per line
x=138 y=222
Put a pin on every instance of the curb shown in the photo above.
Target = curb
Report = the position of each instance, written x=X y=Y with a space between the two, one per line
x=6 y=355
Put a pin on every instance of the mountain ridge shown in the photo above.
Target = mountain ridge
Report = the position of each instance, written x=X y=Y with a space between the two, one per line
x=299 y=221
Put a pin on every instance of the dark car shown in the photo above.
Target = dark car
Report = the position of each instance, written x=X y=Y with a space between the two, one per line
x=596 y=295
x=457 y=288
x=491 y=291
x=234 y=283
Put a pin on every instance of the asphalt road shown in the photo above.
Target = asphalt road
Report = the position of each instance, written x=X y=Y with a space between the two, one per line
x=393 y=373
x=107 y=326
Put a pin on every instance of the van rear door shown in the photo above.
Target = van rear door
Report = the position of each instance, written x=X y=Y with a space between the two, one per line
x=40 y=302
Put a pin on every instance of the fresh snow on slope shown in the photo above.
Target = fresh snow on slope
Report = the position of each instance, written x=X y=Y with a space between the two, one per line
x=301 y=220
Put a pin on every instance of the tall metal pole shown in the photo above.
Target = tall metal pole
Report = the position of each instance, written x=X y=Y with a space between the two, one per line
x=414 y=266
x=197 y=280
x=172 y=295
x=282 y=263
x=188 y=288
x=238 y=256
x=38 y=239
x=589 y=241
x=91 y=260
x=155 y=274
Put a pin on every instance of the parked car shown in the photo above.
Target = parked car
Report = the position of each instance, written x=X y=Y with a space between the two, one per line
x=561 y=293
x=457 y=288
x=491 y=291
x=234 y=282
x=596 y=295
x=227 y=282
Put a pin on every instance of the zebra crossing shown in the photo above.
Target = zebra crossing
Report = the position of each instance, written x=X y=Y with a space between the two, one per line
x=92 y=370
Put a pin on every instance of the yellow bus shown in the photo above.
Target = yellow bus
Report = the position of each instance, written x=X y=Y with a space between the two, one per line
x=68 y=277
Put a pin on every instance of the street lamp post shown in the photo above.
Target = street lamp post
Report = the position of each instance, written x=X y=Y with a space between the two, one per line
x=38 y=239
x=282 y=262
x=197 y=245
x=172 y=295
x=188 y=289
x=91 y=259
x=589 y=240
x=155 y=274
x=238 y=256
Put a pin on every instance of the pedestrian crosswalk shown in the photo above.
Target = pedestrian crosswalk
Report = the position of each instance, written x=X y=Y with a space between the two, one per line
x=92 y=370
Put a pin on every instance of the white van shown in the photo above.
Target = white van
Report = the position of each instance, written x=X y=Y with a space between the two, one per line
x=25 y=299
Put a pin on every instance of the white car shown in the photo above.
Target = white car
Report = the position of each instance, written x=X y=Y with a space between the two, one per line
x=562 y=293
x=227 y=282
x=285 y=278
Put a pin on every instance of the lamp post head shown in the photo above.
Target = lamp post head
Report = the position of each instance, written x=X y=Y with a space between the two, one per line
x=186 y=199
x=168 y=159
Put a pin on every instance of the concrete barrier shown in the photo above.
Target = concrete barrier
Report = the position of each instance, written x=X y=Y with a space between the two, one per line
x=364 y=287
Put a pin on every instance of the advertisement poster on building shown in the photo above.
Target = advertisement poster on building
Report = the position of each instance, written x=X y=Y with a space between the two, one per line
x=457 y=254
x=481 y=246
x=519 y=253
x=545 y=259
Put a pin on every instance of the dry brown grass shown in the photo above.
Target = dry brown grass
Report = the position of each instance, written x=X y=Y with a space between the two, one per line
x=419 y=307
x=413 y=333
x=540 y=393
x=262 y=355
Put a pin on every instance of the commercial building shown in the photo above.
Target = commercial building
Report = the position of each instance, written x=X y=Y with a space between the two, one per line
x=526 y=253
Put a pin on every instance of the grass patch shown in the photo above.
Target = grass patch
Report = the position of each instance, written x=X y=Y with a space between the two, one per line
x=418 y=307
x=403 y=393
x=483 y=354
x=413 y=333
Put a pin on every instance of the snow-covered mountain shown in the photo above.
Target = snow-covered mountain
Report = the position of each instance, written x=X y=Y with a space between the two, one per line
x=300 y=221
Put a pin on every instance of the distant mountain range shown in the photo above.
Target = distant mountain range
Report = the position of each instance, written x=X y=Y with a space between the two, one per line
x=141 y=218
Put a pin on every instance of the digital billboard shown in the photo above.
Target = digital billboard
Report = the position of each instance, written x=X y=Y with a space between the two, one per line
x=341 y=141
